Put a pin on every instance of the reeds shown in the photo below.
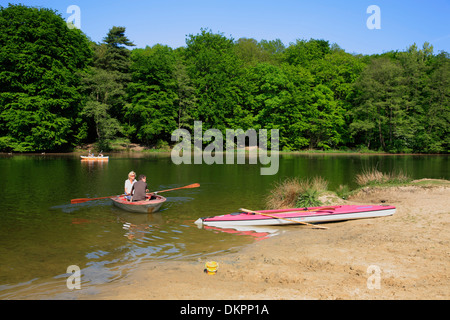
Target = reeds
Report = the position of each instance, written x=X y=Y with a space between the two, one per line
x=293 y=192
x=375 y=177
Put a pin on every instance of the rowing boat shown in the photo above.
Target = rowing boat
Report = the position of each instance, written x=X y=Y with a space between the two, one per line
x=150 y=205
x=93 y=158
x=295 y=215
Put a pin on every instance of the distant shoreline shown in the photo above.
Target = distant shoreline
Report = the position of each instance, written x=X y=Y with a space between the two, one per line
x=145 y=150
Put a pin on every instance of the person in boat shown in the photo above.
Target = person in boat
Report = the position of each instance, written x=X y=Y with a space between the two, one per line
x=90 y=154
x=140 y=189
x=129 y=184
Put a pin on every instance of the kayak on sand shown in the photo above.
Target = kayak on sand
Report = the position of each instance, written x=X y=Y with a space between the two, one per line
x=298 y=215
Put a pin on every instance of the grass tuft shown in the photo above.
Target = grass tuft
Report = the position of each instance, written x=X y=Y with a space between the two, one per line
x=293 y=192
x=374 y=177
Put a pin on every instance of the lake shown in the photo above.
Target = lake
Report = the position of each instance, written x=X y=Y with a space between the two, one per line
x=41 y=233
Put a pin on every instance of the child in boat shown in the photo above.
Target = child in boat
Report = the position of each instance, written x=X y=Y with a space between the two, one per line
x=129 y=183
x=140 y=189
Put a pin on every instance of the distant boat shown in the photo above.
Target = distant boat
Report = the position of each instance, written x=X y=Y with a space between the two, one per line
x=93 y=158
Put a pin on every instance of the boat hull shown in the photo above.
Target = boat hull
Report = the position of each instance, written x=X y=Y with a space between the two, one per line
x=289 y=216
x=85 y=158
x=145 y=206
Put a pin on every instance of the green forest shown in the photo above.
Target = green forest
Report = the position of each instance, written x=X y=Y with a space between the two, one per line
x=59 y=90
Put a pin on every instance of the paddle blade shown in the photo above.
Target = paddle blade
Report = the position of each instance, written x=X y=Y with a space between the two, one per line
x=74 y=201
x=194 y=185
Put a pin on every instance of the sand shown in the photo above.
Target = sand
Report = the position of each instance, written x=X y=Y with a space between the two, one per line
x=404 y=256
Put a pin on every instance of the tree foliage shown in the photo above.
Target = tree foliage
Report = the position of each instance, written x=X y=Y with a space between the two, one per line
x=58 y=89
x=104 y=84
x=39 y=87
x=152 y=112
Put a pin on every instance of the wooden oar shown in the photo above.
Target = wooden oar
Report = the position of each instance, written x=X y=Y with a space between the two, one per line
x=276 y=217
x=302 y=210
x=81 y=200
x=194 y=185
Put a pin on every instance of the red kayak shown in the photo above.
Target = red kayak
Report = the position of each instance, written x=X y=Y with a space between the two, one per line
x=290 y=216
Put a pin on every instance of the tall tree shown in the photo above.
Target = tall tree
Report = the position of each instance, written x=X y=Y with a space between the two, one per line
x=100 y=87
x=186 y=99
x=250 y=52
x=436 y=124
x=304 y=52
x=116 y=56
x=39 y=97
x=104 y=85
x=338 y=71
x=380 y=117
x=278 y=98
x=213 y=67
x=152 y=112
x=326 y=118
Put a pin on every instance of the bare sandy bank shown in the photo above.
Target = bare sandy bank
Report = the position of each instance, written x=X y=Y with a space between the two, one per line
x=405 y=256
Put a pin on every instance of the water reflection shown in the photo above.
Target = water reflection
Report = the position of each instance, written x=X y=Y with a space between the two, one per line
x=91 y=166
x=169 y=235
x=255 y=232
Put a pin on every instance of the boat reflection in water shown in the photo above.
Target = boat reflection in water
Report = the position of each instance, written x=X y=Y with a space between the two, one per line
x=257 y=233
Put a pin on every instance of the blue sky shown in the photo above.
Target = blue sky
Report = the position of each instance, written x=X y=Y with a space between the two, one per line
x=403 y=22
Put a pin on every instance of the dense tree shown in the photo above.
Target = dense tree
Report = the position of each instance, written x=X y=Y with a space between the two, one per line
x=186 y=100
x=380 y=103
x=213 y=67
x=402 y=104
x=277 y=100
x=113 y=56
x=436 y=124
x=252 y=52
x=100 y=87
x=104 y=86
x=116 y=56
x=304 y=52
x=152 y=113
x=39 y=98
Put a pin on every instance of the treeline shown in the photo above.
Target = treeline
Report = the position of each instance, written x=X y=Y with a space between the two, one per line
x=58 y=90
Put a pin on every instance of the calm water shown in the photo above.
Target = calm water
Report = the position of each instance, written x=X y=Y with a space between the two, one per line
x=41 y=233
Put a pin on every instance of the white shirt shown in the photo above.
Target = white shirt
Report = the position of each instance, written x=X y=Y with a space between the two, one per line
x=128 y=185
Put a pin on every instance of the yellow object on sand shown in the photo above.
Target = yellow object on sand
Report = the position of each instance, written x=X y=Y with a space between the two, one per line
x=211 y=267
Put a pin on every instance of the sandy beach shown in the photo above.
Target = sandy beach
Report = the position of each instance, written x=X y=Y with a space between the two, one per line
x=404 y=256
